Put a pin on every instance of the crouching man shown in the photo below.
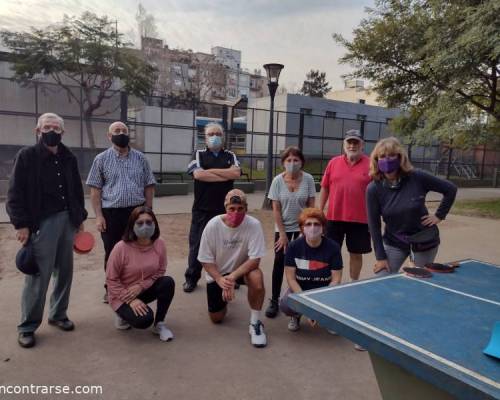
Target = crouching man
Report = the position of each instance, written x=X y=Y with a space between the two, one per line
x=231 y=247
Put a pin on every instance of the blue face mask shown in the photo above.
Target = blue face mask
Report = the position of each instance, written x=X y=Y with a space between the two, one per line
x=214 y=142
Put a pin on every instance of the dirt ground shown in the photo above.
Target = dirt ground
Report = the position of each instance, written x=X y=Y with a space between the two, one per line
x=204 y=361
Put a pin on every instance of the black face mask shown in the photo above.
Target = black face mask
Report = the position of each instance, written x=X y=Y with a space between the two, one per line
x=51 y=138
x=120 y=140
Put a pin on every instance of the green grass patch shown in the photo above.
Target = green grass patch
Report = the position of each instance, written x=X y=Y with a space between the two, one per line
x=488 y=208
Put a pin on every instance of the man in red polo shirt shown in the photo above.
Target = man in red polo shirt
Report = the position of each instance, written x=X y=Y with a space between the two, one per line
x=344 y=185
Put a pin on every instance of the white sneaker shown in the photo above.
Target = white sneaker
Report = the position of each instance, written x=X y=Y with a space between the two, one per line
x=257 y=334
x=332 y=332
x=165 y=333
x=358 y=347
x=121 y=324
x=294 y=324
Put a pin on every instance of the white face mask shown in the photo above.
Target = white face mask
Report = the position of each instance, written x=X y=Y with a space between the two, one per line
x=214 y=142
x=313 y=232
x=292 y=167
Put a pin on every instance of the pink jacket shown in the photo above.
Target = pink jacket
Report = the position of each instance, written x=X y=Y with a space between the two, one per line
x=130 y=264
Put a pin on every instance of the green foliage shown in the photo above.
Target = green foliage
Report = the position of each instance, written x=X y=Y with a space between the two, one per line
x=87 y=52
x=315 y=84
x=437 y=60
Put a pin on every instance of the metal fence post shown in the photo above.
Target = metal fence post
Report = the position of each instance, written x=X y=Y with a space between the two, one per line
x=301 y=131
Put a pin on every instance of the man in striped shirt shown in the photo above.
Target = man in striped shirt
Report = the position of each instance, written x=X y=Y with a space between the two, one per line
x=120 y=180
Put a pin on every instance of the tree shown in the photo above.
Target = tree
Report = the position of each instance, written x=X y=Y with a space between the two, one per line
x=438 y=61
x=315 y=84
x=88 y=53
x=146 y=23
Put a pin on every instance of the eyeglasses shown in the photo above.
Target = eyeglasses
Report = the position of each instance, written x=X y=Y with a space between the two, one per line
x=147 y=222
x=46 y=129
x=312 y=224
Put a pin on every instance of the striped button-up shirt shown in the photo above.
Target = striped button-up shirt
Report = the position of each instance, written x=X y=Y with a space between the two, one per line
x=121 y=178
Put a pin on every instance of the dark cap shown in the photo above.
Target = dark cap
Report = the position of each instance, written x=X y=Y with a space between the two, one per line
x=235 y=196
x=353 y=134
x=25 y=260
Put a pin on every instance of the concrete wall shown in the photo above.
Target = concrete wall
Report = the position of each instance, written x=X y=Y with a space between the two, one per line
x=175 y=140
x=347 y=116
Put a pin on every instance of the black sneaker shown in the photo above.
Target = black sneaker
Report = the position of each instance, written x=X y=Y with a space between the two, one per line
x=188 y=286
x=26 y=339
x=273 y=309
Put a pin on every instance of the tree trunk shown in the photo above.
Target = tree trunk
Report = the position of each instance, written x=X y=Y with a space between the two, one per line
x=90 y=131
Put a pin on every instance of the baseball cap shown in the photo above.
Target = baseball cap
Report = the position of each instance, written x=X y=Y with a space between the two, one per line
x=353 y=134
x=235 y=196
x=26 y=261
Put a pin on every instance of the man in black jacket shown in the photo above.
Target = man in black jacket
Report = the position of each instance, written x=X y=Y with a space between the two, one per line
x=46 y=206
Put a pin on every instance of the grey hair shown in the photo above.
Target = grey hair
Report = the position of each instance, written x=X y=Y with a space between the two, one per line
x=45 y=116
x=214 y=125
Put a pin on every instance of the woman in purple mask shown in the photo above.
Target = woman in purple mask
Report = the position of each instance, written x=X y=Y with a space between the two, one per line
x=311 y=261
x=397 y=196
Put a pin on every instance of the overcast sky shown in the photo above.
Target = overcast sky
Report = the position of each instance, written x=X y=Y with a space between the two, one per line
x=296 y=33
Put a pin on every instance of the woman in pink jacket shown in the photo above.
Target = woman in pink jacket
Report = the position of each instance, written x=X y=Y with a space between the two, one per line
x=135 y=276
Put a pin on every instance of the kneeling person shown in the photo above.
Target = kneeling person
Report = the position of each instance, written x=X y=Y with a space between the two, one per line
x=231 y=247
x=312 y=261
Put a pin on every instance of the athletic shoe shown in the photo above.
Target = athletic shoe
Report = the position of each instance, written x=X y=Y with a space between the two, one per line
x=121 y=324
x=165 y=334
x=332 y=332
x=273 y=309
x=188 y=286
x=105 y=298
x=359 y=348
x=257 y=334
x=294 y=324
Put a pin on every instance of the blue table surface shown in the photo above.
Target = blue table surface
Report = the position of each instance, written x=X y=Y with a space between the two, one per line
x=446 y=320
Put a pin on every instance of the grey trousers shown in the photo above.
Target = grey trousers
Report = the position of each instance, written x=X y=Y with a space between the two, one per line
x=53 y=248
x=396 y=257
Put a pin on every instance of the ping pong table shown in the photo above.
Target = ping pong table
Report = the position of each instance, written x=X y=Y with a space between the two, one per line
x=425 y=336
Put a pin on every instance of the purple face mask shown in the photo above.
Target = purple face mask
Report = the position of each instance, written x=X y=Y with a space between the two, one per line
x=388 y=165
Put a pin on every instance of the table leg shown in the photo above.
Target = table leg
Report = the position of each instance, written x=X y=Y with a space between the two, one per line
x=395 y=383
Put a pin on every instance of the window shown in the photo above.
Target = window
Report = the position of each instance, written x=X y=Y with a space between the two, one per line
x=306 y=111
x=176 y=69
x=330 y=114
x=361 y=117
x=362 y=101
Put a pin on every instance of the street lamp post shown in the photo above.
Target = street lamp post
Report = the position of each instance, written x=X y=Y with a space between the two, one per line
x=273 y=73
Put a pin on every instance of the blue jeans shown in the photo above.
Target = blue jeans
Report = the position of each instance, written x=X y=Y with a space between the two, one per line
x=53 y=248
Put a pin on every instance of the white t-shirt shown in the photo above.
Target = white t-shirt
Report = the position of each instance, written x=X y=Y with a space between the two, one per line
x=228 y=247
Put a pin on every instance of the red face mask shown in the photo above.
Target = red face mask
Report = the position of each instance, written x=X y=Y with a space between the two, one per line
x=235 y=218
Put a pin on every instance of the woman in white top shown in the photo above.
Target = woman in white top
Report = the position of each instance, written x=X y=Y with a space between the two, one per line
x=290 y=192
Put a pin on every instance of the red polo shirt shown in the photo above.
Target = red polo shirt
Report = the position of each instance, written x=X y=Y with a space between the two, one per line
x=347 y=186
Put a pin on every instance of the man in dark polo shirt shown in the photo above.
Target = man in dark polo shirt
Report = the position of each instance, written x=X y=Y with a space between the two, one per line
x=46 y=206
x=214 y=170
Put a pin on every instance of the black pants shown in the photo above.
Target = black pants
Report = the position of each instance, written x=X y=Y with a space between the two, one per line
x=116 y=222
x=163 y=292
x=198 y=222
x=279 y=264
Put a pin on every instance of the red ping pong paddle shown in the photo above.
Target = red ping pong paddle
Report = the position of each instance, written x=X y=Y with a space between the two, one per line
x=441 y=268
x=416 y=272
x=83 y=243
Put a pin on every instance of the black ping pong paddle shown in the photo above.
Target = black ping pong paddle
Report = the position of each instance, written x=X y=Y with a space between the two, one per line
x=417 y=272
x=437 y=267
